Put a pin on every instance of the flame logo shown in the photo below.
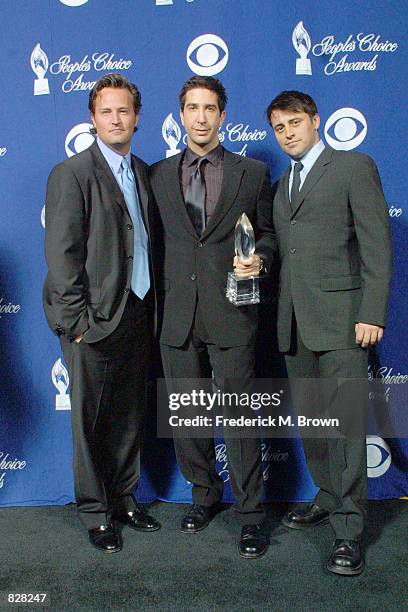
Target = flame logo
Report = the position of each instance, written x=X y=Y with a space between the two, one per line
x=171 y=134
x=301 y=40
x=60 y=378
x=39 y=61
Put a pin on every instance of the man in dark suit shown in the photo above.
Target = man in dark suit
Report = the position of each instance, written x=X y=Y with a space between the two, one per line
x=98 y=298
x=200 y=194
x=331 y=222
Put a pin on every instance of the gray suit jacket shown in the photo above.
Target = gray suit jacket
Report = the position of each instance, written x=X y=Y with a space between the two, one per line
x=89 y=245
x=196 y=266
x=335 y=251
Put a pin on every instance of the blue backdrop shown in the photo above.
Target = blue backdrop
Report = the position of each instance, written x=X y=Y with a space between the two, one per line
x=351 y=57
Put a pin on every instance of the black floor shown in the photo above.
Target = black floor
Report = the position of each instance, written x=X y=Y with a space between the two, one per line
x=46 y=550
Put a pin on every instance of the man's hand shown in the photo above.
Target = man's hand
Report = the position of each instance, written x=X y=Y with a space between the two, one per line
x=251 y=268
x=78 y=339
x=368 y=334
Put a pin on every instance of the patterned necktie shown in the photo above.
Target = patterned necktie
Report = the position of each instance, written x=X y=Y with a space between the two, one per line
x=294 y=192
x=140 y=282
x=195 y=197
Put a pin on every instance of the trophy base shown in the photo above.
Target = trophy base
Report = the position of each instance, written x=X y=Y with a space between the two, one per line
x=242 y=291
x=41 y=87
x=303 y=66
x=62 y=402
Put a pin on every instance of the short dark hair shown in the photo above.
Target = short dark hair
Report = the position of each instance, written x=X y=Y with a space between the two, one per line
x=295 y=101
x=205 y=82
x=117 y=81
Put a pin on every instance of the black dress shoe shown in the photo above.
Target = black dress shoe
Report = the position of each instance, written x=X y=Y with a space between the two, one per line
x=105 y=538
x=139 y=520
x=346 y=558
x=308 y=516
x=197 y=518
x=253 y=542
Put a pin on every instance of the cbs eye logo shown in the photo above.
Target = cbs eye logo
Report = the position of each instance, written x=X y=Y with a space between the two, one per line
x=345 y=129
x=78 y=139
x=378 y=457
x=74 y=2
x=207 y=55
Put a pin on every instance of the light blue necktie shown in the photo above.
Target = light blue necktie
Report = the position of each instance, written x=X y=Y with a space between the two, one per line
x=140 y=282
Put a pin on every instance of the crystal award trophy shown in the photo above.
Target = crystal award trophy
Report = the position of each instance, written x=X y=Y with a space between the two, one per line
x=243 y=291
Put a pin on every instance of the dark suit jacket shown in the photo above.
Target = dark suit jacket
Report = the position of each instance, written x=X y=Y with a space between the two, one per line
x=89 y=245
x=335 y=251
x=198 y=266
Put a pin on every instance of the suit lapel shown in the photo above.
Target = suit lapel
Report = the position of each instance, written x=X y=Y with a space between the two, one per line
x=315 y=174
x=104 y=174
x=232 y=177
x=284 y=193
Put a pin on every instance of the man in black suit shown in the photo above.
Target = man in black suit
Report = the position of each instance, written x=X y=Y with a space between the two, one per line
x=200 y=195
x=98 y=298
x=332 y=226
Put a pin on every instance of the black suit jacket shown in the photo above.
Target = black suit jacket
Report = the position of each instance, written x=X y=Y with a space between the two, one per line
x=198 y=266
x=335 y=251
x=89 y=245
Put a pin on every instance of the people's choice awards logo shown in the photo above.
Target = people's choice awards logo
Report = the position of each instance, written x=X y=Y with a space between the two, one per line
x=378 y=457
x=207 y=55
x=358 y=52
x=9 y=465
x=78 y=139
x=74 y=2
x=3 y=151
x=39 y=64
x=60 y=379
x=342 y=130
x=98 y=62
x=7 y=308
x=77 y=74
x=171 y=133
x=222 y=461
x=269 y=456
x=302 y=43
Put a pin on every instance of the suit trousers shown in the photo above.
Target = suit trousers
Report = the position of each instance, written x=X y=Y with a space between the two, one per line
x=337 y=464
x=108 y=404
x=196 y=457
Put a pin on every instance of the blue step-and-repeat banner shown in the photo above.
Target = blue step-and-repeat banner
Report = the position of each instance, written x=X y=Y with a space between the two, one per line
x=350 y=56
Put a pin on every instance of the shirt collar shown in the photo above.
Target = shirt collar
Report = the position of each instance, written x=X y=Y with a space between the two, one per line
x=214 y=156
x=114 y=159
x=311 y=156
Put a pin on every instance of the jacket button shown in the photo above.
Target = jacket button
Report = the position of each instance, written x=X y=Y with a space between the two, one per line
x=193 y=277
x=130 y=257
x=292 y=251
x=200 y=244
x=129 y=227
x=293 y=222
x=126 y=290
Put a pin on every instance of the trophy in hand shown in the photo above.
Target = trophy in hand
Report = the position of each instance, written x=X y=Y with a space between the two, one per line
x=243 y=291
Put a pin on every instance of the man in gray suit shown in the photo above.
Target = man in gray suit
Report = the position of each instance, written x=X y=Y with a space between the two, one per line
x=98 y=298
x=332 y=225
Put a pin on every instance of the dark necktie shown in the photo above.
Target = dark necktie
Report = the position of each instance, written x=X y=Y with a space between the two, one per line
x=294 y=192
x=195 y=196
